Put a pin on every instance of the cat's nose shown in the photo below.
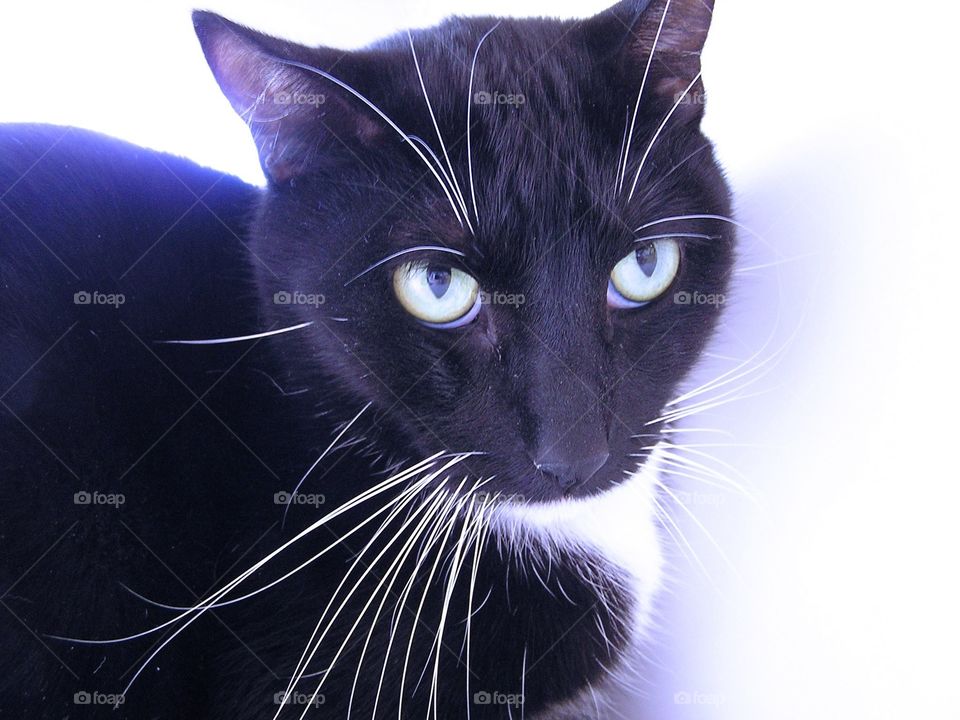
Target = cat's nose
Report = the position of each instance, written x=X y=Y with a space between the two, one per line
x=571 y=472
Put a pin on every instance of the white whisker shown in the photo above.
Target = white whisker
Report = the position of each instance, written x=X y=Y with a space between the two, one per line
x=329 y=626
x=205 y=605
x=317 y=461
x=239 y=338
x=473 y=67
x=704 y=530
x=430 y=532
x=636 y=108
x=453 y=176
x=386 y=119
x=403 y=554
x=452 y=508
x=307 y=658
x=656 y=135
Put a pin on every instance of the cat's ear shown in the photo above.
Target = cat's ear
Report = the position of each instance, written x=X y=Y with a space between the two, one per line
x=673 y=32
x=296 y=116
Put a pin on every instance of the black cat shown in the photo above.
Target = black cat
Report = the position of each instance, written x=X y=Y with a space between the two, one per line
x=373 y=441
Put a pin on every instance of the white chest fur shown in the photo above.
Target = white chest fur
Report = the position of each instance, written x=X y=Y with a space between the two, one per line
x=618 y=527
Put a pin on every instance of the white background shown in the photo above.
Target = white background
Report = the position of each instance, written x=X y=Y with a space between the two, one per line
x=836 y=123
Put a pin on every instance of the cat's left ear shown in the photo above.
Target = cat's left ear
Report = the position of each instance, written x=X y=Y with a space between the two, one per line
x=673 y=32
x=296 y=116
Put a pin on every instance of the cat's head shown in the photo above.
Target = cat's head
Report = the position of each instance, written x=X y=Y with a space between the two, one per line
x=504 y=232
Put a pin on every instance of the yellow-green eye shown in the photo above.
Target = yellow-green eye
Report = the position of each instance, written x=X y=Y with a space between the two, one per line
x=644 y=274
x=437 y=295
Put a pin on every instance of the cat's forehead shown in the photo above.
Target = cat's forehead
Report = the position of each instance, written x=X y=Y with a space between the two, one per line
x=516 y=105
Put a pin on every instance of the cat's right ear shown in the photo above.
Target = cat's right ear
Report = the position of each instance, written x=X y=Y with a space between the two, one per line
x=297 y=117
x=656 y=44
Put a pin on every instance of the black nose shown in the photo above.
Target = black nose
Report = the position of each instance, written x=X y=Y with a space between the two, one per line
x=570 y=473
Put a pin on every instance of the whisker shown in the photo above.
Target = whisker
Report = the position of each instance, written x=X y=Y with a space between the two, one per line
x=636 y=108
x=423 y=143
x=239 y=338
x=664 y=236
x=431 y=532
x=670 y=431
x=473 y=67
x=308 y=655
x=775 y=263
x=203 y=606
x=665 y=514
x=656 y=135
x=704 y=216
x=443 y=147
x=423 y=598
x=402 y=558
x=305 y=661
x=651 y=188
x=703 y=407
x=317 y=461
x=452 y=577
x=386 y=119
x=704 y=530
x=623 y=145
x=478 y=545
x=393 y=256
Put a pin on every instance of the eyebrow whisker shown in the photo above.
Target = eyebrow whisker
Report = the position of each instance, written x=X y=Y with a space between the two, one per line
x=386 y=118
x=392 y=256
x=452 y=179
x=667 y=236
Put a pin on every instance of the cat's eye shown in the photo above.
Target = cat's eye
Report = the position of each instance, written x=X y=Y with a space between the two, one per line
x=437 y=295
x=644 y=274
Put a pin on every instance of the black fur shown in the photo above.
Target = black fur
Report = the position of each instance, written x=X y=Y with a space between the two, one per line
x=198 y=439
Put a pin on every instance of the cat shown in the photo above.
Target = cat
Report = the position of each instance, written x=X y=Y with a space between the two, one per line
x=380 y=439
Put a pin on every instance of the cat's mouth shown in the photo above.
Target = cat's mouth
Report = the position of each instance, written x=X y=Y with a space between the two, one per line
x=573 y=477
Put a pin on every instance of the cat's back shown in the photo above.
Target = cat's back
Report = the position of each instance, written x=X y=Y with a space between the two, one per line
x=117 y=451
x=82 y=210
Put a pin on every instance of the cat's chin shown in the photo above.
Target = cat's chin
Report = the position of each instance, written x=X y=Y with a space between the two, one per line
x=617 y=525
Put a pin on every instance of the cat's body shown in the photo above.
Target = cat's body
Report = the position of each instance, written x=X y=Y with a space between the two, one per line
x=109 y=251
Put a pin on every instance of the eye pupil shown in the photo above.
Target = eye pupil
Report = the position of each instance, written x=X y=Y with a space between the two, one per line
x=438 y=279
x=647 y=258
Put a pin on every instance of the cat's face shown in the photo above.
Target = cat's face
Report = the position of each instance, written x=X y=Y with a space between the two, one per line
x=516 y=290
